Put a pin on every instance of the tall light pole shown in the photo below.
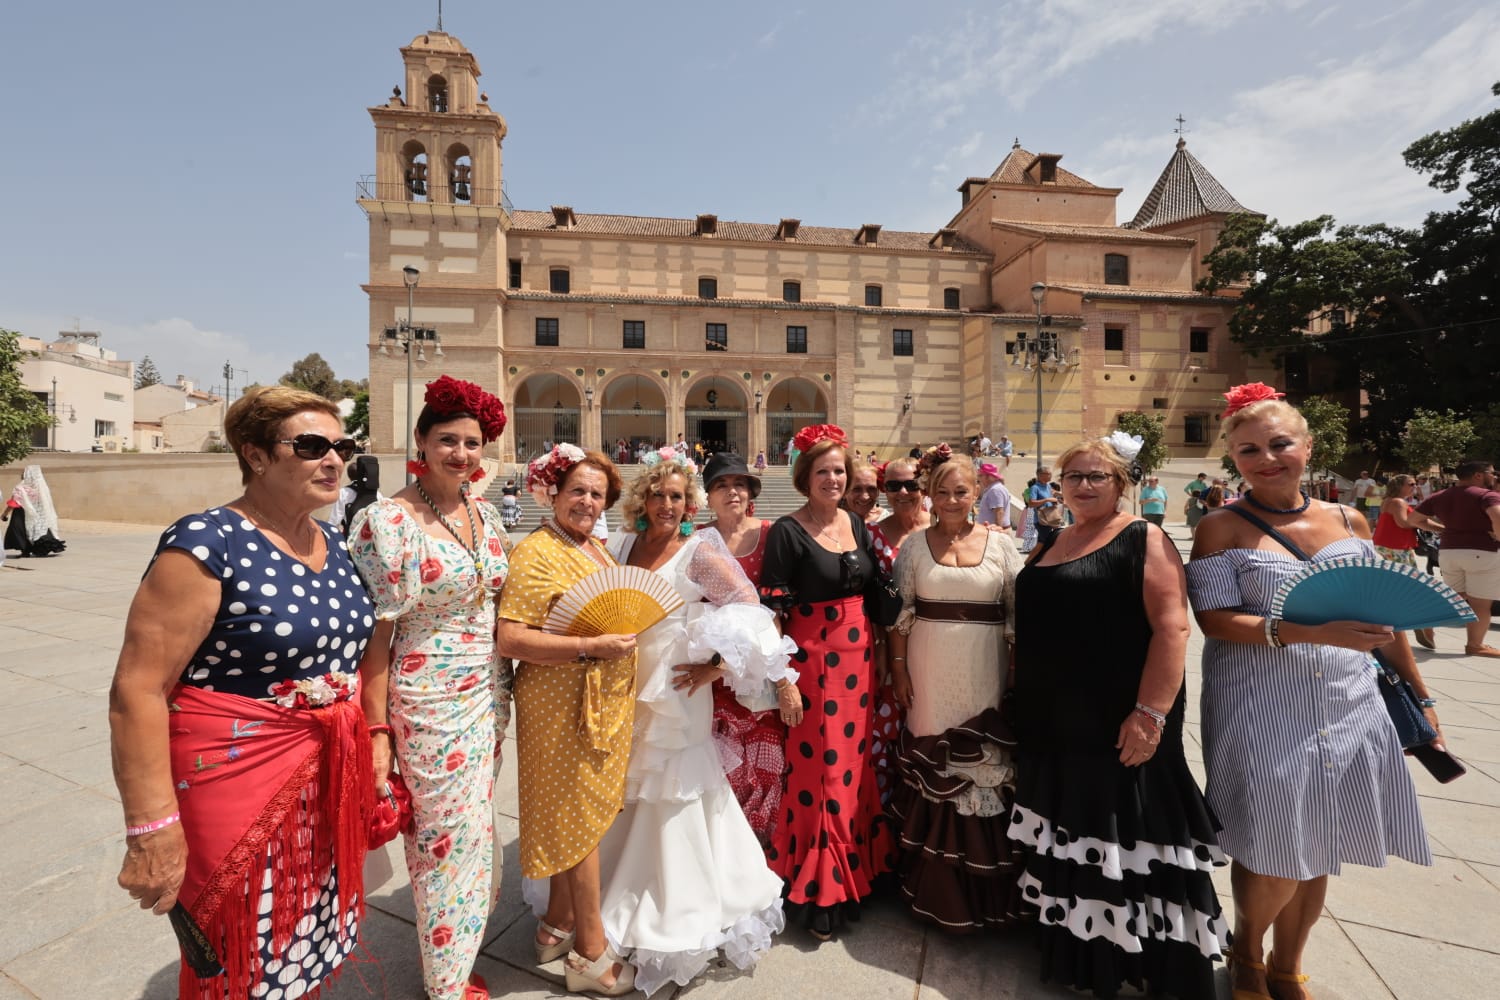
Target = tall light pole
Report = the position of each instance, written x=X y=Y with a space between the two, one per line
x=53 y=401
x=403 y=334
x=1039 y=353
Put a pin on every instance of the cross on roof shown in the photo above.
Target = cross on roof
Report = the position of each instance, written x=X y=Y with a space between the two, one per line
x=1181 y=122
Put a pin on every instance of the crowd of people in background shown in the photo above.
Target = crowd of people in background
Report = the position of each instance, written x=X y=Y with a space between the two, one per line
x=853 y=698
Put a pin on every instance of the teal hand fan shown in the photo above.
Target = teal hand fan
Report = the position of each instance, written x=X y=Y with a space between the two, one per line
x=1366 y=589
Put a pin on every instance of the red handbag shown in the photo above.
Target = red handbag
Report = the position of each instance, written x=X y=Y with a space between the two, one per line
x=392 y=813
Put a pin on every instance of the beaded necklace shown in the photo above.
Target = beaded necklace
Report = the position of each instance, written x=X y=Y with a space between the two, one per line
x=1306 y=502
x=473 y=547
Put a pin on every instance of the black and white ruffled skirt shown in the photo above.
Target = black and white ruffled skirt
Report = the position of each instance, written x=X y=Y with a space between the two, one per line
x=1118 y=872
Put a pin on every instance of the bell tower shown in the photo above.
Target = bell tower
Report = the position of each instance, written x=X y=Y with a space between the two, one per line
x=434 y=204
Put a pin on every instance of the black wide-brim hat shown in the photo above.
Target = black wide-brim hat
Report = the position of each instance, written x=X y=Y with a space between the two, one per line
x=729 y=464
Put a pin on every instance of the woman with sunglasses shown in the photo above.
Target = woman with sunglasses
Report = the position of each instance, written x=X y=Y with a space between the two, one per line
x=820 y=567
x=436 y=694
x=1120 y=842
x=239 y=748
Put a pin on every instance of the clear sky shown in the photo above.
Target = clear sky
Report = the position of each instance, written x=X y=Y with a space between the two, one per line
x=179 y=176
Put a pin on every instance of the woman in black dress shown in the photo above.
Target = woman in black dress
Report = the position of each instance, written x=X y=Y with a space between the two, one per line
x=820 y=564
x=1121 y=842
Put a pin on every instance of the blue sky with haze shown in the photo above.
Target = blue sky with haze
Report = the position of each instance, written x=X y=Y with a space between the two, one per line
x=180 y=175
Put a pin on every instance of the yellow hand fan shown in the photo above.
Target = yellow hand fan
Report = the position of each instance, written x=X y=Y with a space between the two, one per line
x=618 y=600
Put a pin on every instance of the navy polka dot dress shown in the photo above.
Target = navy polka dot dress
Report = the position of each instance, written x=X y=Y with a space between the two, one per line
x=278 y=620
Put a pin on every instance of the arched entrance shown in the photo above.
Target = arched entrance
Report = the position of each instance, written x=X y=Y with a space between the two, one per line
x=791 y=405
x=714 y=412
x=546 y=411
x=633 y=416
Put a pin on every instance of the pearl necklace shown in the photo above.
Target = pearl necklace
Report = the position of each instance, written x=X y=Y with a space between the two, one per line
x=1306 y=503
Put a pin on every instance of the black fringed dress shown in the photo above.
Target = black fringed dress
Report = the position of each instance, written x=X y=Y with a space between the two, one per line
x=1119 y=857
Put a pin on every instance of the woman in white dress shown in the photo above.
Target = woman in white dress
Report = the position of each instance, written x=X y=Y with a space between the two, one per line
x=684 y=876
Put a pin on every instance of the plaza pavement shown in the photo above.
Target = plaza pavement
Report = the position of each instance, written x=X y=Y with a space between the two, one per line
x=69 y=931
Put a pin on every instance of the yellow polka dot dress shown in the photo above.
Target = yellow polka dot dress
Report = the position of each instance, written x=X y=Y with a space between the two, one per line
x=571 y=768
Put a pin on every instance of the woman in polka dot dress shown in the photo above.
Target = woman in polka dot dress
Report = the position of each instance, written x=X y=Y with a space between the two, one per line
x=820 y=564
x=434 y=686
x=249 y=809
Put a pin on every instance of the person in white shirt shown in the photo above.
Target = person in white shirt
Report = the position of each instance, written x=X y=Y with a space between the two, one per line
x=994 y=501
x=1364 y=489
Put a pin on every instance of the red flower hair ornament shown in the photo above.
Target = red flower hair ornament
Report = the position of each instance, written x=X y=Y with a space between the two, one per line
x=809 y=436
x=1241 y=396
x=546 y=472
x=450 y=395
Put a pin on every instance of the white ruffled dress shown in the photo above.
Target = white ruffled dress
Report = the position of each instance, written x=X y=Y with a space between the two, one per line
x=683 y=874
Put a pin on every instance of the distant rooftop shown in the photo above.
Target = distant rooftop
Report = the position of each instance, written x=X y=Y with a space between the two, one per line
x=1185 y=190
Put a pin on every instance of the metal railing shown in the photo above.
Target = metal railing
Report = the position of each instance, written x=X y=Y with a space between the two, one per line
x=369 y=189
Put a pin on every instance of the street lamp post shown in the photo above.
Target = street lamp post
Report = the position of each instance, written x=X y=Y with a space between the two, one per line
x=53 y=425
x=1040 y=353
x=403 y=334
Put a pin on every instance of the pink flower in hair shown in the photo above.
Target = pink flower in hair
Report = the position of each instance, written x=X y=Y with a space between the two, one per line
x=1241 y=396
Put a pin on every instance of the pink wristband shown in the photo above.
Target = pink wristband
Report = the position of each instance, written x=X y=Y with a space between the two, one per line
x=152 y=827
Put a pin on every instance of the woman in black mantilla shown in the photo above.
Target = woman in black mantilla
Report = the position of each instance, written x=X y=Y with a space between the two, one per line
x=820 y=565
x=1120 y=841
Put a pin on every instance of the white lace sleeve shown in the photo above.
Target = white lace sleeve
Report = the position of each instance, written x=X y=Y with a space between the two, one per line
x=1014 y=563
x=905 y=575
x=738 y=627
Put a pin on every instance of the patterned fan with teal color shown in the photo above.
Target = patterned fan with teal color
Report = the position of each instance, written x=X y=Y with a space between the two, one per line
x=1365 y=589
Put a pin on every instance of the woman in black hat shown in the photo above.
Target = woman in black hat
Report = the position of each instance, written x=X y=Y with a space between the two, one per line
x=751 y=733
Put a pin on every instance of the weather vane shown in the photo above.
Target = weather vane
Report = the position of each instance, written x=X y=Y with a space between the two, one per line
x=1181 y=128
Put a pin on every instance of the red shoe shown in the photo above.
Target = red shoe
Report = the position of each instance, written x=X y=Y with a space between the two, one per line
x=477 y=988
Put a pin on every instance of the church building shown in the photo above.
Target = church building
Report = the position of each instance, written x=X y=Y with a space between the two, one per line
x=599 y=328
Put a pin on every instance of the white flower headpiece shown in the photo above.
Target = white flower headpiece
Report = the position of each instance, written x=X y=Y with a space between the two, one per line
x=1127 y=446
x=670 y=455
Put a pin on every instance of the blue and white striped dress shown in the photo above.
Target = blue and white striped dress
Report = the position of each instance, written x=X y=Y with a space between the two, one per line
x=1304 y=768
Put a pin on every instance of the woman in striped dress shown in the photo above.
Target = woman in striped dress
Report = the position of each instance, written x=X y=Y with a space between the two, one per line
x=1304 y=768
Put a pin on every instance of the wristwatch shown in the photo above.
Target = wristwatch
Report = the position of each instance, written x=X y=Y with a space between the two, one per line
x=715 y=660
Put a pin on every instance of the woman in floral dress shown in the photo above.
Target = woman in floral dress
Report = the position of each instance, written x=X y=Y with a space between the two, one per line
x=433 y=686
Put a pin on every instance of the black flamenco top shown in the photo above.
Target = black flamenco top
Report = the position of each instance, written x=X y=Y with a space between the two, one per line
x=1081 y=640
x=799 y=571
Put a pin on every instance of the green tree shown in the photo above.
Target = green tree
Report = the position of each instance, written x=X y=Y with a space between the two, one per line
x=1153 y=432
x=351 y=389
x=1487 y=432
x=146 y=373
x=1328 y=424
x=357 y=423
x=314 y=375
x=21 y=412
x=1441 y=439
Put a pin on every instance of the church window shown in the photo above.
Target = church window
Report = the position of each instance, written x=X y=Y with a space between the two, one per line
x=1116 y=269
x=950 y=298
x=437 y=94
x=796 y=340
x=708 y=288
x=513 y=279
x=901 y=343
x=791 y=291
x=635 y=335
x=546 y=332
x=716 y=337
x=872 y=295
x=560 y=280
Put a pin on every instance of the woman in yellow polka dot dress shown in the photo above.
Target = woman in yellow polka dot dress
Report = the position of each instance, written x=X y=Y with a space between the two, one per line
x=574 y=708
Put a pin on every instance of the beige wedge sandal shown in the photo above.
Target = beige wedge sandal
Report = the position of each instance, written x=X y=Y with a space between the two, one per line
x=583 y=976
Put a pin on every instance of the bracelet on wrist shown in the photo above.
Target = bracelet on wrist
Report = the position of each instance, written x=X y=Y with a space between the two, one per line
x=153 y=826
x=1273 y=633
x=381 y=727
x=582 y=656
x=1427 y=702
x=1158 y=719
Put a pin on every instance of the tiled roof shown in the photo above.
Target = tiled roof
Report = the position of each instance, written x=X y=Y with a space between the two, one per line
x=1125 y=292
x=1185 y=190
x=750 y=232
x=1114 y=234
x=1012 y=170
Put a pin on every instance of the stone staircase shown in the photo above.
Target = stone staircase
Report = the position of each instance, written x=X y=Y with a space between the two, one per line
x=777 y=497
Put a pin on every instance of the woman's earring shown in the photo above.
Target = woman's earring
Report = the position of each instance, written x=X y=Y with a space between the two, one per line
x=418 y=467
x=640 y=524
x=685 y=528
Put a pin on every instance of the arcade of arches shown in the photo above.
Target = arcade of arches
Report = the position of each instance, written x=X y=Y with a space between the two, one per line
x=631 y=410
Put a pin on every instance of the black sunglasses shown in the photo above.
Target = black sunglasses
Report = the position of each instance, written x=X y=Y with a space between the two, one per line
x=897 y=485
x=314 y=446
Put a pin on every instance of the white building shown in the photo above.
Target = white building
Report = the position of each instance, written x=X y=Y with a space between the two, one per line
x=87 y=389
x=177 y=417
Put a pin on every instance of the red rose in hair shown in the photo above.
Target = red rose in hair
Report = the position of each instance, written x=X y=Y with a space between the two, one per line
x=446 y=394
x=442 y=934
x=880 y=468
x=431 y=569
x=809 y=436
x=1241 y=396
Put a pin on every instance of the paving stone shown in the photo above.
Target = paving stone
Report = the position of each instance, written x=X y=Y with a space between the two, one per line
x=142 y=959
x=1417 y=968
x=995 y=965
x=1467 y=830
x=60 y=891
x=1470 y=915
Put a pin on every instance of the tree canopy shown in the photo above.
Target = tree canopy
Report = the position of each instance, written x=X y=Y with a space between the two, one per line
x=1441 y=439
x=1152 y=429
x=21 y=412
x=314 y=375
x=1408 y=316
x=146 y=373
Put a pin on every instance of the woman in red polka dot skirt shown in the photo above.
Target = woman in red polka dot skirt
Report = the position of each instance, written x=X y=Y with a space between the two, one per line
x=820 y=564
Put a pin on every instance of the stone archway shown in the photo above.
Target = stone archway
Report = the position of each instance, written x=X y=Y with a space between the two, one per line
x=716 y=412
x=633 y=416
x=547 y=409
x=792 y=404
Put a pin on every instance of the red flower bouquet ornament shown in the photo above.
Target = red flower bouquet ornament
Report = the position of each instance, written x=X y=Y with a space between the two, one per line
x=315 y=692
x=1241 y=396
x=451 y=395
x=545 y=472
x=933 y=457
x=809 y=436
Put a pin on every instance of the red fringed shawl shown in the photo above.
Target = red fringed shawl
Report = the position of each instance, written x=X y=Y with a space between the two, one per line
x=257 y=783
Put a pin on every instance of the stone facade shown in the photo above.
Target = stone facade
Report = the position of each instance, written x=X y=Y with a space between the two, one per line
x=600 y=328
